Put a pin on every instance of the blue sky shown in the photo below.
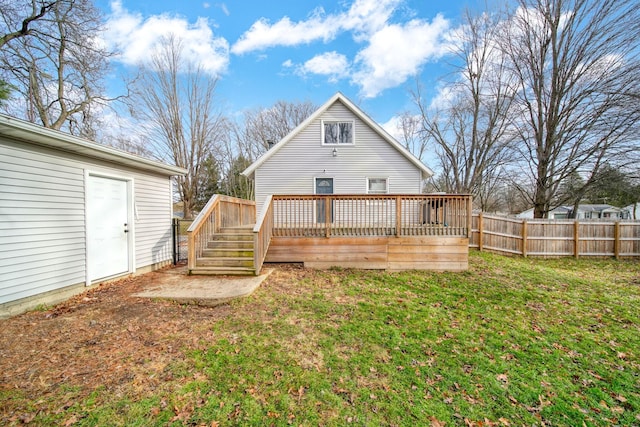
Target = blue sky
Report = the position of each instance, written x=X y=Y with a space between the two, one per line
x=265 y=51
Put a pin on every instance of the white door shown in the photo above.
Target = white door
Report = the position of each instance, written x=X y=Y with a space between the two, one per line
x=107 y=227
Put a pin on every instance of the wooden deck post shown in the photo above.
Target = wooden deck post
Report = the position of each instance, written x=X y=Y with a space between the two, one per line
x=398 y=215
x=480 y=233
x=191 y=251
x=469 y=217
x=327 y=216
x=524 y=237
x=576 y=239
x=616 y=240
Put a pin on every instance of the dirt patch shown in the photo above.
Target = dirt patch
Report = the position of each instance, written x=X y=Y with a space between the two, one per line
x=103 y=338
x=111 y=339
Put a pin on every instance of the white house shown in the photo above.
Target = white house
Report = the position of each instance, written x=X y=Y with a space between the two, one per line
x=74 y=213
x=585 y=211
x=337 y=150
x=632 y=211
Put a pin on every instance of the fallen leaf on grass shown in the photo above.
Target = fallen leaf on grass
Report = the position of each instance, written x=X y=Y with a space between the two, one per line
x=502 y=378
x=27 y=418
x=436 y=422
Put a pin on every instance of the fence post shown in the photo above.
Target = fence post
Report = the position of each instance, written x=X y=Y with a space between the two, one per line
x=616 y=240
x=524 y=237
x=576 y=238
x=175 y=227
x=480 y=233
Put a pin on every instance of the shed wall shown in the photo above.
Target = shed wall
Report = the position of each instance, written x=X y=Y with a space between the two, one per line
x=42 y=218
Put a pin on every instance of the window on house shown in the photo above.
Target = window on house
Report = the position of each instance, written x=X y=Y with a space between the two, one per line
x=337 y=133
x=377 y=186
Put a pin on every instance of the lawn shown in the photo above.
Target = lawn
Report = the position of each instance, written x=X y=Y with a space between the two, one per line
x=510 y=342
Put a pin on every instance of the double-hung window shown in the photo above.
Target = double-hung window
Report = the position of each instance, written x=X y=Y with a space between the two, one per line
x=336 y=132
x=377 y=186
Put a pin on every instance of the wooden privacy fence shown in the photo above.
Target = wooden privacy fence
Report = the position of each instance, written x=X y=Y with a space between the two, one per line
x=555 y=238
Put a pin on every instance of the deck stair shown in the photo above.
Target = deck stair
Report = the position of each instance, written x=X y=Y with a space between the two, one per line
x=229 y=252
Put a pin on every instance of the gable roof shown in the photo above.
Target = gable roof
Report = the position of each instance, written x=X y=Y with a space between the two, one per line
x=29 y=132
x=426 y=172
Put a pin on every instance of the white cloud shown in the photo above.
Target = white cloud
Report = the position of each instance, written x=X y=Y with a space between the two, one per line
x=397 y=52
x=135 y=37
x=363 y=17
x=366 y=17
x=224 y=8
x=263 y=34
x=392 y=52
x=331 y=64
x=393 y=127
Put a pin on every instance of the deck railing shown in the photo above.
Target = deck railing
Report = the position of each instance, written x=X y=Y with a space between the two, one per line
x=221 y=211
x=371 y=215
x=262 y=232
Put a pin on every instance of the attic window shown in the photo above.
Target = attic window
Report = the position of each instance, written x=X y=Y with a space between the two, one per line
x=337 y=133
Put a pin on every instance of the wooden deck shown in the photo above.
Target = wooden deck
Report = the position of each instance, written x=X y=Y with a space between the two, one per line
x=382 y=253
x=391 y=232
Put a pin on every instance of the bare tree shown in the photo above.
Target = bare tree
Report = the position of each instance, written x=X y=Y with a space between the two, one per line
x=175 y=103
x=265 y=125
x=249 y=139
x=471 y=127
x=18 y=18
x=577 y=67
x=412 y=137
x=55 y=61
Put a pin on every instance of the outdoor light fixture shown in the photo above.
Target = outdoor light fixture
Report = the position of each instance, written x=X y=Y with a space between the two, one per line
x=335 y=153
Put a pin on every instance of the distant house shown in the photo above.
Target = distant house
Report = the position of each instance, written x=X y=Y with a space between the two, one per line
x=632 y=211
x=586 y=211
x=337 y=150
x=74 y=213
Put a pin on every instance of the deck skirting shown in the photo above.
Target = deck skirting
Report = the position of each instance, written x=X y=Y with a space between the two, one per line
x=439 y=253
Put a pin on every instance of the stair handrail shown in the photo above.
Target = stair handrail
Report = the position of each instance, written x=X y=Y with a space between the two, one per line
x=212 y=218
x=262 y=233
x=194 y=238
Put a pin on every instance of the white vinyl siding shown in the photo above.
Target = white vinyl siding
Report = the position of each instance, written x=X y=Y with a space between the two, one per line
x=42 y=218
x=293 y=168
x=153 y=219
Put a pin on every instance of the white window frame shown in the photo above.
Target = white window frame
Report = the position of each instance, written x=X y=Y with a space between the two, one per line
x=386 y=181
x=338 y=144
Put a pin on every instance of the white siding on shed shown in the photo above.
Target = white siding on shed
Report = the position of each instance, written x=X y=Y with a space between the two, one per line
x=42 y=240
x=42 y=217
x=292 y=169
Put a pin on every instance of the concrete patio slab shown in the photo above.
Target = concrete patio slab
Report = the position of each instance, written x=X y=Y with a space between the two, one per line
x=177 y=285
